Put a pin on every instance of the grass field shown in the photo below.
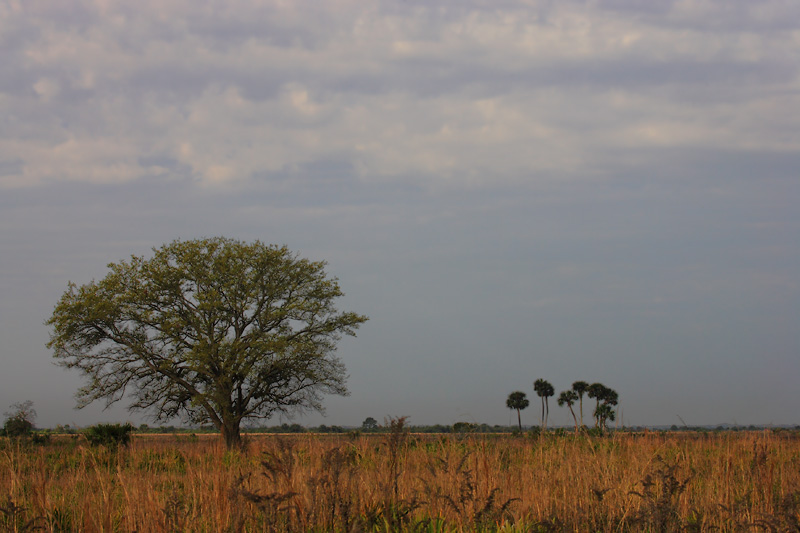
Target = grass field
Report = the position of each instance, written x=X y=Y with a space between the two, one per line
x=738 y=481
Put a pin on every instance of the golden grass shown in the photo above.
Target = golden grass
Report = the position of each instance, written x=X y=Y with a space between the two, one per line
x=650 y=482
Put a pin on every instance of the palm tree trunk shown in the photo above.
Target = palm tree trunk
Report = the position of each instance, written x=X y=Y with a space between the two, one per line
x=597 y=411
x=542 y=419
x=573 y=417
x=548 y=412
x=519 y=421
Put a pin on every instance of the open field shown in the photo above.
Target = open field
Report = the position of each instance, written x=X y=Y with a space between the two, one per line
x=399 y=482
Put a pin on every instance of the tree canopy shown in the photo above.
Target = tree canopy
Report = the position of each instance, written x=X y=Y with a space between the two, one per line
x=517 y=400
x=544 y=389
x=19 y=419
x=606 y=398
x=212 y=330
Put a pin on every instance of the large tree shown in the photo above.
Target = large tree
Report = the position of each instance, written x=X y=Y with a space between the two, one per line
x=211 y=330
x=517 y=400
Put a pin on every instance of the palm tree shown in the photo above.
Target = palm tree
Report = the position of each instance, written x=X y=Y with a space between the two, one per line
x=603 y=413
x=538 y=387
x=580 y=387
x=544 y=390
x=569 y=397
x=596 y=390
x=548 y=392
x=610 y=397
x=517 y=400
x=606 y=399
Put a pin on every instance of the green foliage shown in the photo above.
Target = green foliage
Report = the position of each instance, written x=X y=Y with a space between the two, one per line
x=517 y=400
x=464 y=427
x=40 y=438
x=330 y=429
x=19 y=420
x=291 y=428
x=369 y=424
x=109 y=435
x=595 y=432
x=606 y=398
x=214 y=330
x=603 y=414
x=17 y=427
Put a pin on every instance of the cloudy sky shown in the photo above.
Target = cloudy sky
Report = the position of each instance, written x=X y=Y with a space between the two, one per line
x=510 y=189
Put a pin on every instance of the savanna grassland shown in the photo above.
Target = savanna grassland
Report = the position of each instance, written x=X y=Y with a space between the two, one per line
x=737 y=481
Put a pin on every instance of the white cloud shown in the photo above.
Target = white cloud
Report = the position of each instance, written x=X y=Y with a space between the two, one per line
x=455 y=94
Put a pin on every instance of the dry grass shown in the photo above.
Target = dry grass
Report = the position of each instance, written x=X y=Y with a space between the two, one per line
x=652 y=482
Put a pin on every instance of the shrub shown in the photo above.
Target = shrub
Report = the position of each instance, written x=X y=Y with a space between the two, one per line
x=41 y=438
x=109 y=435
x=464 y=427
x=20 y=420
x=17 y=427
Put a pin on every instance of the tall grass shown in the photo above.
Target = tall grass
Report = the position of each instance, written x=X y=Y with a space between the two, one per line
x=401 y=482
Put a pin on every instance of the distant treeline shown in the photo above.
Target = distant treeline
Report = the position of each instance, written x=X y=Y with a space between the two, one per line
x=457 y=428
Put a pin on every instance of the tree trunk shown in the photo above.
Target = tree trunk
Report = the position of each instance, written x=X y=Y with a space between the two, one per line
x=596 y=412
x=581 y=400
x=231 y=435
x=542 y=419
x=573 y=417
x=519 y=420
x=546 y=416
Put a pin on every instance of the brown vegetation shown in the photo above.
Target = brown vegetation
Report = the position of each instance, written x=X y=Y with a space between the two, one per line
x=400 y=482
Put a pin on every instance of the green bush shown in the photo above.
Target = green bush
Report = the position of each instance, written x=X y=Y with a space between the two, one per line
x=19 y=420
x=595 y=432
x=41 y=438
x=464 y=427
x=17 y=426
x=109 y=435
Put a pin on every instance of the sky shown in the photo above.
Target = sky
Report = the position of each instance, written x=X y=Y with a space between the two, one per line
x=600 y=190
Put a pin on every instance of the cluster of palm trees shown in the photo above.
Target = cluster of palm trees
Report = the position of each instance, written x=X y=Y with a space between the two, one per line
x=606 y=398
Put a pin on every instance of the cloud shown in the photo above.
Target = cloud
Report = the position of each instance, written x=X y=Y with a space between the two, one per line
x=456 y=94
